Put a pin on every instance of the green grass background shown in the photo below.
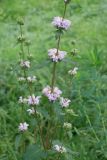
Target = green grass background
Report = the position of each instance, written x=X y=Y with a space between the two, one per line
x=89 y=91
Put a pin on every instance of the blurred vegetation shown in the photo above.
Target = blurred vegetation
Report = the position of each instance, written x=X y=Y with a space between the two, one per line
x=88 y=140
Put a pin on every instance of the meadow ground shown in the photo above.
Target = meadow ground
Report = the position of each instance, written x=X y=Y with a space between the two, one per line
x=89 y=88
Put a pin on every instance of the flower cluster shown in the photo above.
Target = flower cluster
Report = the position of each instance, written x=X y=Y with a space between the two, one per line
x=67 y=125
x=31 y=100
x=56 y=55
x=25 y=64
x=64 y=102
x=23 y=126
x=22 y=100
x=21 y=79
x=60 y=22
x=59 y=148
x=29 y=79
x=73 y=71
x=52 y=94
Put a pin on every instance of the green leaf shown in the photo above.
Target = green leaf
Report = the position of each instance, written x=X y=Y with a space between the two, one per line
x=34 y=152
x=18 y=141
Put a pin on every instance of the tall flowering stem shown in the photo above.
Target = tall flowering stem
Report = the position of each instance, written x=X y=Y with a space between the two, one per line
x=32 y=99
x=53 y=93
x=23 y=58
x=58 y=46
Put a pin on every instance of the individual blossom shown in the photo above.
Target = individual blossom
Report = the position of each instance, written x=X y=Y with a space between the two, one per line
x=31 y=79
x=64 y=102
x=73 y=71
x=23 y=126
x=20 y=21
x=30 y=57
x=25 y=64
x=67 y=125
x=32 y=100
x=60 y=22
x=22 y=100
x=31 y=111
x=59 y=148
x=55 y=55
x=52 y=94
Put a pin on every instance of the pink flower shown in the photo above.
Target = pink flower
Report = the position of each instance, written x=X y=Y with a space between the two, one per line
x=52 y=95
x=64 y=102
x=23 y=126
x=59 y=22
x=32 y=100
x=56 y=55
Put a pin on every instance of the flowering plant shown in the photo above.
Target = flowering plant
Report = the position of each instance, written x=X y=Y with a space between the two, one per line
x=47 y=109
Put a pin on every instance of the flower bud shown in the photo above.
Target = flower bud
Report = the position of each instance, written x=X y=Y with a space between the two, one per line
x=20 y=21
x=74 y=52
x=73 y=42
x=30 y=57
x=27 y=42
x=67 y=125
x=21 y=38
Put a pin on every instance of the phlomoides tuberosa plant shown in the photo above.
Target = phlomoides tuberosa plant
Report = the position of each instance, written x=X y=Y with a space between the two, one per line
x=46 y=124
